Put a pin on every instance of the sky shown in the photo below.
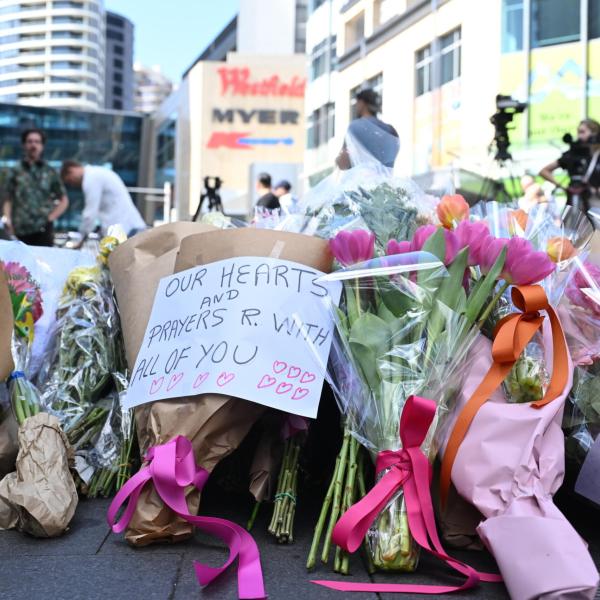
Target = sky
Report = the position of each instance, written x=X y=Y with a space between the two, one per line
x=172 y=33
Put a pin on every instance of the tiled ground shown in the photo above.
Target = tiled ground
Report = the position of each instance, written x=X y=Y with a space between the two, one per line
x=88 y=563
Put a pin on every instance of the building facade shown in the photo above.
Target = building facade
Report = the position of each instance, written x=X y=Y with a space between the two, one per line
x=439 y=64
x=118 y=93
x=104 y=138
x=151 y=87
x=238 y=110
x=52 y=53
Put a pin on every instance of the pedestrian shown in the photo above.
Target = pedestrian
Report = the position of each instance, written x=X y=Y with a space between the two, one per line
x=368 y=137
x=107 y=200
x=266 y=198
x=289 y=203
x=35 y=196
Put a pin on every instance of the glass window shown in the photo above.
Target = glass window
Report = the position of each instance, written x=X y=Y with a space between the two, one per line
x=66 y=64
x=10 y=53
x=355 y=30
x=66 y=50
x=115 y=21
x=423 y=64
x=62 y=94
x=28 y=37
x=118 y=77
x=117 y=90
x=314 y=4
x=8 y=82
x=118 y=50
x=594 y=19
x=38 y=6
x=117 y=104
x=512 y=25
x=32 y=22
x=60 y=19
x=63 y=35
x=554 y=22
x=117 y=63
x=111 y=34
x=67 y=4
x=450 y=56
x=386 y=9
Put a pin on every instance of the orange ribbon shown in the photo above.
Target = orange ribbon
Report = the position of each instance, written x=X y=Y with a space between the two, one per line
x=512 y=335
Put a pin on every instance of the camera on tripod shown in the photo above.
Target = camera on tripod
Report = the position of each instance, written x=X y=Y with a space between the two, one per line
x=506 y=108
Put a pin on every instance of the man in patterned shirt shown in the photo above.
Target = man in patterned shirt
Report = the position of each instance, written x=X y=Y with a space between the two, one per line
x=35 y=194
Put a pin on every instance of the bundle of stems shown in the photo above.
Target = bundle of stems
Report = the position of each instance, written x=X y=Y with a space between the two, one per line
x=25 y=399
x=86 y=429
x=346 y=487
x=284 y=509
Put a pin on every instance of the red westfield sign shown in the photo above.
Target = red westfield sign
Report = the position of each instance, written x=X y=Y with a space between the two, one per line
x=237 y=81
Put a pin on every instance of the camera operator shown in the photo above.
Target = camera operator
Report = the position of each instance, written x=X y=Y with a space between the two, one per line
x=582 y=162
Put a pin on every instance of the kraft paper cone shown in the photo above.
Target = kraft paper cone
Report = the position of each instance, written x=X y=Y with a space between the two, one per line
x=215 y=424
x=40 y=498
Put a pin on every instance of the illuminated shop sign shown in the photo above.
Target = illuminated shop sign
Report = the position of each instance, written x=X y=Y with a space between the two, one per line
x=262 y=116
x=238 y=81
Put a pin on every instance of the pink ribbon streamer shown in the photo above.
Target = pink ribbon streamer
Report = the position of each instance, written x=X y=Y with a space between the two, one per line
x=172 y=468
x=409 y=469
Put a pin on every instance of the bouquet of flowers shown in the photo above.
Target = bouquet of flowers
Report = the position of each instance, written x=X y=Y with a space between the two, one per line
x=580 y=313
x=27 y=308
x=88 y=347
x=407 y=322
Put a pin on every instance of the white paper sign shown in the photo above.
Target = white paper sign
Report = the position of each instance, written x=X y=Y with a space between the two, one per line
x=242 y=327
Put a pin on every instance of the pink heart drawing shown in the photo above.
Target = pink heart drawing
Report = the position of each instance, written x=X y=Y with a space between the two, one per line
x=156 y=385
x=175 y=379
x=300 y=393
x=200 y=380
x=294 y=372
x=266 y=381
x=224 y=378
x=284 y=388
x=307 y=377
x=279 y=366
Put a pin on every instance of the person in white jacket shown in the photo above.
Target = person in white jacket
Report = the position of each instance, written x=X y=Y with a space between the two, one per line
x=107 y=200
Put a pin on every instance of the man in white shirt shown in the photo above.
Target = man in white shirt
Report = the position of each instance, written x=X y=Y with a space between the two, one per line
x=106 y=198
x=289 y=203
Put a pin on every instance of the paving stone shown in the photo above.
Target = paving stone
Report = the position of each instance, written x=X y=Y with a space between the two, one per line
x=86 y=533
x=88 y=577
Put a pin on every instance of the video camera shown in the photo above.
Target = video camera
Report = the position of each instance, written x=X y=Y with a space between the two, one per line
x=506 y=108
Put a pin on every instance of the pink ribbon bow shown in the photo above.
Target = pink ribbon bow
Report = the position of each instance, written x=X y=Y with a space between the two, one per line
x=409 y=469
x=172 y=468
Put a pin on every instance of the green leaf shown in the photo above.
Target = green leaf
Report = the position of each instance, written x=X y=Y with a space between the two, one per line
x=452 y=285
x=436 y=245
x=370 y=340
x=477 y=299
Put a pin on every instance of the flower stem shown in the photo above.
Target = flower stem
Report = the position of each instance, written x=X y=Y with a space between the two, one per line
x=490 y=307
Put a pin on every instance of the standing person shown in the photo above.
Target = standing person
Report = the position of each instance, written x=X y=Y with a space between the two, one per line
x=582 y=162
x=368 y=137
x=266 y=198
x=35 y=196
x=106 y=198
x=288 y=202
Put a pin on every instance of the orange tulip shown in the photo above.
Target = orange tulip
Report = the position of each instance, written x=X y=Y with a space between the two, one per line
x=560 y=248
x=518 y=221
x=451 y=210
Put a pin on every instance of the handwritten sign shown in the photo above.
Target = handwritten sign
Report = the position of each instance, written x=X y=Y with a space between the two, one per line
x=254 y=328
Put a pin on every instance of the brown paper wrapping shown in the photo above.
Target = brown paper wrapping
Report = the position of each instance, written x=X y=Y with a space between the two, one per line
x=40 y=497
x=215 y=424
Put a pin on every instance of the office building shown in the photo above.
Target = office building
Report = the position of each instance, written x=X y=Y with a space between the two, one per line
x=115 y=140
x=52 y=53
x=439 y=65
x=238 y=110
x=118 y=93
x=151 y=88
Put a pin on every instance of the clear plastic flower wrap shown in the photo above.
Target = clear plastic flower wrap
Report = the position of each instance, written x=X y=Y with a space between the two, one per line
x=563 y=235
x=88 y=346
x=395 y=337
x=580 y=315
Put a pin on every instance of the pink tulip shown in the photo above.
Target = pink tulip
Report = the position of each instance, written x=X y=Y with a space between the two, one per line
x=351 y=247
x=588 y=280
x=394 y=247
x=423 y=233
x=472 y=235
x=523 y=264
